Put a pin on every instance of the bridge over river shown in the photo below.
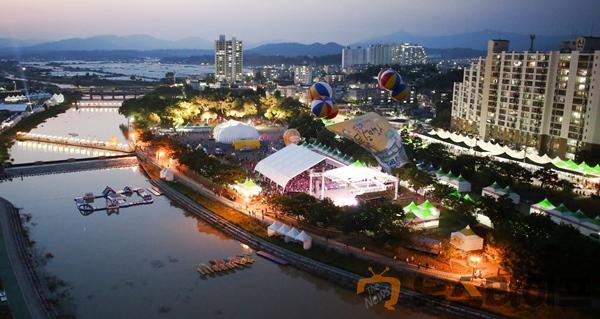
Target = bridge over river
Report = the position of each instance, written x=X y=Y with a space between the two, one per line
x=73 y=141
x=68 y=165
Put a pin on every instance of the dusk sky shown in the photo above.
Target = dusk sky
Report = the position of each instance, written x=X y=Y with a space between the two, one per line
x=343 y=21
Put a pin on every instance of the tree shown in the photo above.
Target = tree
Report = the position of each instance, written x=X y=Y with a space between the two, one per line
x=546 y=176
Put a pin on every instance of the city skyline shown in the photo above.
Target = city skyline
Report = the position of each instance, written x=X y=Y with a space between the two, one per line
x=47 y=21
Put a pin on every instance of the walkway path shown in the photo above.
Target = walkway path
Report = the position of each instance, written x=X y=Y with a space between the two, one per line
x=19 y=278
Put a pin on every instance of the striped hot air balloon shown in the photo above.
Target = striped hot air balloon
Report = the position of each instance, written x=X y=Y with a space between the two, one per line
x=322 y=108
x=388 y=79
x=400 y=92
x=334 y=112
x=320 y=91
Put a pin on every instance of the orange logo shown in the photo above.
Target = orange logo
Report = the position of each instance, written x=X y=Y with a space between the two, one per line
x=393 y=293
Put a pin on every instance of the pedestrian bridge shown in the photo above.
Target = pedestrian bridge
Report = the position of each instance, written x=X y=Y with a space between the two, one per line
x=68 y=166
x=74 y=141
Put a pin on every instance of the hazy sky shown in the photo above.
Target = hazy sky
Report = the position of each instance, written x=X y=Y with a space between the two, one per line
x=343 y=21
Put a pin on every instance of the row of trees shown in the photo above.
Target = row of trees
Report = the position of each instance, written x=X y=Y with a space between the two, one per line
x=169 y=107
x=381 y=222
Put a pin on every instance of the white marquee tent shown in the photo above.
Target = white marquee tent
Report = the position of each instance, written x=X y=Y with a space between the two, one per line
x=466 y=240
x=230 y=131
x=359 y=180
x=287 y=163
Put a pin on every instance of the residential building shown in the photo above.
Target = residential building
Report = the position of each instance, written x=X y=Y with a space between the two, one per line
x=354 y=56
x=384 y=54
x=303 y=74
x=408 y=54
x=547 y=100
x=228 y=59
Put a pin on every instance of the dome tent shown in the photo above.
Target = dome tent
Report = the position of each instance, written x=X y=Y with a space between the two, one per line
x=232 y=130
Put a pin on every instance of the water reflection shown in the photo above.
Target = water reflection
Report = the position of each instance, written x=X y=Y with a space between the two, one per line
x=83 y=123
x=142 y=263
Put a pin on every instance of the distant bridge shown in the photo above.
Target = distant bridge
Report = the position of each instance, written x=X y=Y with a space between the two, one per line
x=68 y=166
x=99 y=103
x=73 y=141
x=120 y=93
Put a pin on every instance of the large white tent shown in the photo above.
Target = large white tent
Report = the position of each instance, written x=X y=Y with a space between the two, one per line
x=232 y=130
x=358 y=180
x=287 y=163
x=466 y=240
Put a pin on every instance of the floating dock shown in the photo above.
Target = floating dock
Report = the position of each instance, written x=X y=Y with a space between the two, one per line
x=115 y=200
x=223 y=266
x=272 y=258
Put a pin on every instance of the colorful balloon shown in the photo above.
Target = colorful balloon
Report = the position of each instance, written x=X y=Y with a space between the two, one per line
x=320 y=90
x=388 y=79
x=322 y=108
x=400 y=92
x=291 y=136
x=334 y=112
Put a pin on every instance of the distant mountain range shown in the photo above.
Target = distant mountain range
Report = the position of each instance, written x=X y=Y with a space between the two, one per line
x=290 y=49
x=456 y=45
x=471 y=40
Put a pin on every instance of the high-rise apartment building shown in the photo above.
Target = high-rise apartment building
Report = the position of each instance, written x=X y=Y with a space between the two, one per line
x=408 y=54
x=228 y=59
x=384 y=54
x=303 y=74
x=547 y=100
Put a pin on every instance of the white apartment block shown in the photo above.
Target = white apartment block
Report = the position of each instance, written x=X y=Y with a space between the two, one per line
x=384 y=54
x=303 y=74
x=228 y=59
x=547 y=100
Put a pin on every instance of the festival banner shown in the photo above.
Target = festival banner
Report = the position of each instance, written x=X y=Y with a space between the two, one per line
x=375 y=134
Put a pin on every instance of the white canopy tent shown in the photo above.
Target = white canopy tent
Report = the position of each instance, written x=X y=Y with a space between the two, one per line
x=272 y=229
x=288 y=163
x=305 y=239
x=292 y=234
x=466 y=240
x=359 y=180
x=232 y=130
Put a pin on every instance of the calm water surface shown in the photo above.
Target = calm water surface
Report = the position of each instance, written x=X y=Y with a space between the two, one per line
x=142 y=262
x=86 y=123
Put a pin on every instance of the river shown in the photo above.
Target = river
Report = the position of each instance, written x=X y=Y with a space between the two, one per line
x=141 y=263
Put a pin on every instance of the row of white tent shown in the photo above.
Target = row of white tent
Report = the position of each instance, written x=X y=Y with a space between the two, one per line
x=289 y=233
x=55 y=99
x=492 y=149
x=21 y=97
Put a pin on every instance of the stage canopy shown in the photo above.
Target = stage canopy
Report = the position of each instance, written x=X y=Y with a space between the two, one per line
x=288 y=163
x=359 y=175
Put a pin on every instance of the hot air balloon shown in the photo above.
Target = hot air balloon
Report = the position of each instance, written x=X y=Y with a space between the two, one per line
x=322 y=108
x=320 y=90
x=291 y=136
x=400 y=92
x=388 y=79
x=334 y=112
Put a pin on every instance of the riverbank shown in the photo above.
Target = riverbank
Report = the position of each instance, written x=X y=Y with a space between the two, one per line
x=7 y=138
x=317 y=261
x=23 y=287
